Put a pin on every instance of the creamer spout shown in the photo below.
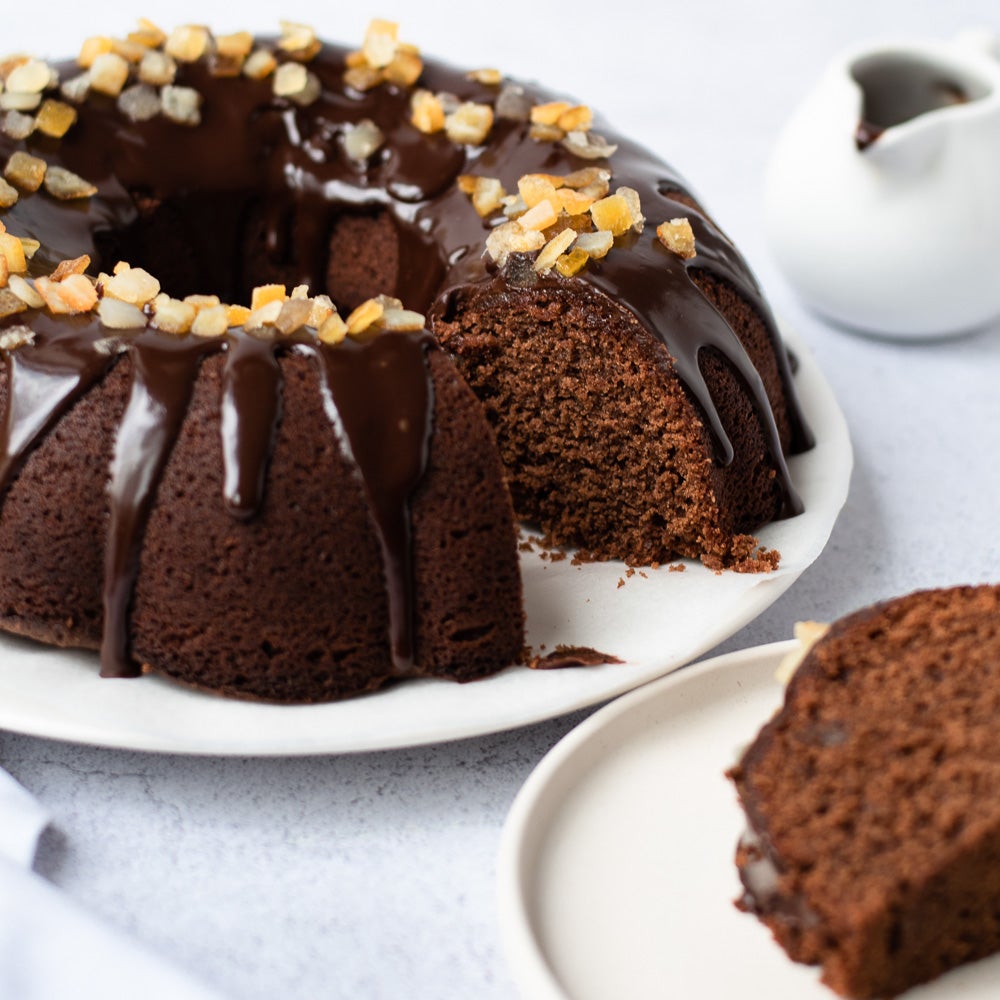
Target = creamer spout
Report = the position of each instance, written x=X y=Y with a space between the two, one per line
x=905 y=106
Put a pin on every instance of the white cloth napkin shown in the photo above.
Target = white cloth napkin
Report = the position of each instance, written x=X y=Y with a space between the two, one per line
x=51 y=949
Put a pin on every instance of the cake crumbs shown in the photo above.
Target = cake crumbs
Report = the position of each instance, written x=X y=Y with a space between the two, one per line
x=547 y=548
x=570 y=656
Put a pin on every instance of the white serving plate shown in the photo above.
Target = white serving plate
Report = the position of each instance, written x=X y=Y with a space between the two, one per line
x=616 y=874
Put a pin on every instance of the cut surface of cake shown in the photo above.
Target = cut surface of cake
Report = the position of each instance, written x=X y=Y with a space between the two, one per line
x=873 y=797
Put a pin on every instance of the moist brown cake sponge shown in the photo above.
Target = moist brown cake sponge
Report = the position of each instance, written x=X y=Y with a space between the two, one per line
x=873 y=844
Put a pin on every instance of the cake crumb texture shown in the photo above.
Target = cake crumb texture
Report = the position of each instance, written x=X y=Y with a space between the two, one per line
x=873 y=797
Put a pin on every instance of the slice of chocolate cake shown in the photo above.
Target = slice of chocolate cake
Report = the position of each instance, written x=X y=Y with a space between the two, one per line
x=873 y=796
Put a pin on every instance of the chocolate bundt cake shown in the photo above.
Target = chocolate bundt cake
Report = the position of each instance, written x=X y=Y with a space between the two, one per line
x=285 y=519
x=635 y=381
x=873 y=844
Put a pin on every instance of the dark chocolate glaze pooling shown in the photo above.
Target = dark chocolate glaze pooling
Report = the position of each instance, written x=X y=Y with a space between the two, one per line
x=866 y=133
x=257 y=153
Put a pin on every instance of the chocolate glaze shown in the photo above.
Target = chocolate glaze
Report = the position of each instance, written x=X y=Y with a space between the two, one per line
x=251 y=411
x=164 y=370
x=362 y=385
x=866 y=133
x=43 y=381
x=378 y=396
x=254 y=150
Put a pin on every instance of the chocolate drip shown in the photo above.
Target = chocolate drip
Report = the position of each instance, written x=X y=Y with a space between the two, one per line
x=163 y=375
x=672 y=310
x=251 y=410
x=379 y=395
x=42 y=383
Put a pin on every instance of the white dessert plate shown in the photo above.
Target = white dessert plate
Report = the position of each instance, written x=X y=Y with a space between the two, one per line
x=616 y=875
x=654 y=621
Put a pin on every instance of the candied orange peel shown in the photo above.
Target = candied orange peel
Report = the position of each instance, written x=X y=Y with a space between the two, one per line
x=569 y=218
x=464 y=122
x=556 y=121
x=678 y=237
x=139 y=72
x=383 y=58
x=130 y=298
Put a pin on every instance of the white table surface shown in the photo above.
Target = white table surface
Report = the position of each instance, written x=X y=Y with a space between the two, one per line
x=373 y=875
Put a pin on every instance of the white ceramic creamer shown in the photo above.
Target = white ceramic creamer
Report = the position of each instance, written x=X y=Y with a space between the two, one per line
x=882 y=195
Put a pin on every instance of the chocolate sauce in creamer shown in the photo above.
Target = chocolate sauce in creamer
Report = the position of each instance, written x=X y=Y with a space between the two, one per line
x=378 y=395
x=898 y=88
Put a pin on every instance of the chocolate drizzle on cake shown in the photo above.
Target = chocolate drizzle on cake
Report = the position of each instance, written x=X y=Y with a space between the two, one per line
x=251 y=410
x=378 y=396
x=164 y=370
x=384 y=413
x=42 y=383
x=252 y=147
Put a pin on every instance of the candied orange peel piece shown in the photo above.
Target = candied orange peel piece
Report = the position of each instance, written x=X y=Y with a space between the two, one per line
x=263 y=294
x=469 y=123
x=383 y=58
x=426 y=112
x=172 y=315
x=364 y=316
x=553 y=250
x=678 y=237
x=572 y=263
x=25 y=171
x=612 y=214
x=539 y=216
x=78 y=265
x=55 y=118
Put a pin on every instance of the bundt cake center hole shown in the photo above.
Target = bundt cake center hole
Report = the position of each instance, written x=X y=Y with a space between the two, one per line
x=363 y=257
x=228 y=243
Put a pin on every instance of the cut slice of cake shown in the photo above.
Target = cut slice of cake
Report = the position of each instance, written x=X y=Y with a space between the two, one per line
x=873 y=796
